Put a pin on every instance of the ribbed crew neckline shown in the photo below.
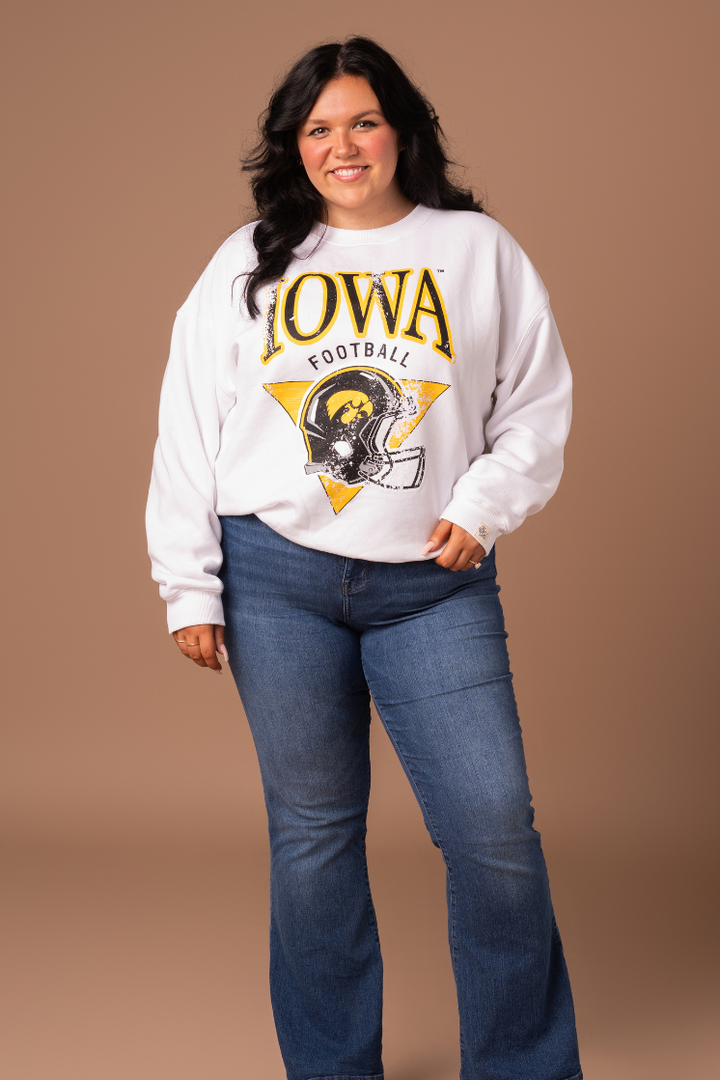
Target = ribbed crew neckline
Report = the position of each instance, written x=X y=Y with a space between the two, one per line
x=356 y=237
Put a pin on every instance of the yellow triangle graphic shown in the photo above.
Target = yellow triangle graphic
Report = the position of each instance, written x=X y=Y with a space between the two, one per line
x=338 y=493
x=289 y=394
x=423 y=394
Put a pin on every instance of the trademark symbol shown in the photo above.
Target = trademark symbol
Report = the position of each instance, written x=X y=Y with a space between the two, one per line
x=439 y=271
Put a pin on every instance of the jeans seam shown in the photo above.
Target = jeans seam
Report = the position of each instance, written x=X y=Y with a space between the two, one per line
x=371 y=906
x=348 y=588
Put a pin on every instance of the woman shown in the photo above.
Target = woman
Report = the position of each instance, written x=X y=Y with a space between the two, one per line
x=365 y=389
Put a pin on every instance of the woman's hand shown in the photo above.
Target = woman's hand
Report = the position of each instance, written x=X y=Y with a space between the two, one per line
x=201 y=644
x=461 y=551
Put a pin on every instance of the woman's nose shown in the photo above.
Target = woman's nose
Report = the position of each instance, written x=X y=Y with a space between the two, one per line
x=344 y=144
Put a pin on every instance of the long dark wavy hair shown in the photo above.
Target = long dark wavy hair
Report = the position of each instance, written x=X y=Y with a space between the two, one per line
x=286 y=201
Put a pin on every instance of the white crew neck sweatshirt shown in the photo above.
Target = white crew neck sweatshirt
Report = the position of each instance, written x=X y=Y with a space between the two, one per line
x=396 y=376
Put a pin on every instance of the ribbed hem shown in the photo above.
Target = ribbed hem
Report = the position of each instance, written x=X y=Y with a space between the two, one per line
x=355 y=237
x=195 y=608
x=480 y=521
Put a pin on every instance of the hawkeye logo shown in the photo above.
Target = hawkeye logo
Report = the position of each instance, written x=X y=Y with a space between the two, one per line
x=361 y=293
x=355 y=423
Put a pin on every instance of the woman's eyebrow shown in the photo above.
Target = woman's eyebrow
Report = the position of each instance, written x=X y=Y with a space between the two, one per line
x=358 y=116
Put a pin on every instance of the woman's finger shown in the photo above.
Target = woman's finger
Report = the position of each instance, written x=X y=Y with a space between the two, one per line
x=181 y=642
x=208 y=651
x=220 y=643
x=198 y=643
x=204 y=653
x=191 y=649
x=461 y=552
x=439 y=537
x=195 y=653
x=473 y=560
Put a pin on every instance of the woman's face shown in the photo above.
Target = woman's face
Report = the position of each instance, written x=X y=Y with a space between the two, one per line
x=350 y=154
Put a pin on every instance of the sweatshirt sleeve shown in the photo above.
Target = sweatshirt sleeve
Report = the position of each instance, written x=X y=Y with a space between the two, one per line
x=522 y=462
x=182 y=525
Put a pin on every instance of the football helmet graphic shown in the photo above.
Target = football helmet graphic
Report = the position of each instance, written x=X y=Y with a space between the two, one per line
x=347 y=420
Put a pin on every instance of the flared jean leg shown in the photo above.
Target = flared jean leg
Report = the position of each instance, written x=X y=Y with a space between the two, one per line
x=325 y=964
x=448 y=705
x=300 y=679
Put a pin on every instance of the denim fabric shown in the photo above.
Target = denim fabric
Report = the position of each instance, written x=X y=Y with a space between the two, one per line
x=310 y=636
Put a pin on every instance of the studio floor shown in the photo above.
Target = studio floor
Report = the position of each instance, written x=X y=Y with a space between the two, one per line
x=131 y=963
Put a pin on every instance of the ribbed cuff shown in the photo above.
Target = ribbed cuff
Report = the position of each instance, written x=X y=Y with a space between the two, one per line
x=480 y=521
x=195 y=608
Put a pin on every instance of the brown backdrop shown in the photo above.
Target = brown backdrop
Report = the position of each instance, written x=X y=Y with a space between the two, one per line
x=135 y=898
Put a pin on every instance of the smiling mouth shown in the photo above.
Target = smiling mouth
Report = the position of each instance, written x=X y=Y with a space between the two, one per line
x=349 y=173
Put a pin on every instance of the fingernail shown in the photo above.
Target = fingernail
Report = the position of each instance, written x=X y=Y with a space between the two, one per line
x=430 y=546
x=224 y=653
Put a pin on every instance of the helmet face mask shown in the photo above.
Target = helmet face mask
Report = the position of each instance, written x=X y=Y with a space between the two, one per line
x=347 y=421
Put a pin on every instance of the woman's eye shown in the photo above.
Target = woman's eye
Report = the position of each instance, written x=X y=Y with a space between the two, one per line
x=366 y=124
x=317 y=131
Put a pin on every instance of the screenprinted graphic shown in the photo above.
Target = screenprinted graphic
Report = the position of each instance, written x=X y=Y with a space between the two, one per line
x=363 y=295
x=355 y=422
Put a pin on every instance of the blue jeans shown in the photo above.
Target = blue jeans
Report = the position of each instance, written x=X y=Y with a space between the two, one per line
x=310 y=636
